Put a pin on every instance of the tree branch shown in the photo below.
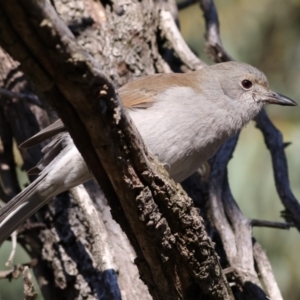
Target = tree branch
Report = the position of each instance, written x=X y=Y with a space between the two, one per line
x=16 y=271
x=266 y=273
x=29 y=290
x=172 y=34
x=274 y=142
x=270 y=224
x=214 y=45
x=233 y=227
x=30 y=98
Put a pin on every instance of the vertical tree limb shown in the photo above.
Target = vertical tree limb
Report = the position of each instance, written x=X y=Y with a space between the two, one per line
x=273 y=140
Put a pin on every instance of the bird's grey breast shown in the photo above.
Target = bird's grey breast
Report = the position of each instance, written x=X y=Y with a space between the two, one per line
x=181 y=128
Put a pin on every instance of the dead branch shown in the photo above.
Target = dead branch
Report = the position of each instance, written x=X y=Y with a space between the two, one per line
x=29 y=290
x=13 y=249
x=265 y=271
x=29 y=227
x=215 y=49
x=101 y=249
x=274 y=143
x=270 y=224
x=234 y=228
x=30 y=98
x=17 y=270
x=172 y=34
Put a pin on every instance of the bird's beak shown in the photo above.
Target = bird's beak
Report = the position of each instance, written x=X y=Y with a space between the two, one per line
x=275 y=98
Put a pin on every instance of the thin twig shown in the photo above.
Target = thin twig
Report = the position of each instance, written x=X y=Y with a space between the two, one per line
x=17 y=270
x=13 y=249
x=214 y=44
x=270 y=224
x=30 y=226
x=172 y=34
x=30 y=98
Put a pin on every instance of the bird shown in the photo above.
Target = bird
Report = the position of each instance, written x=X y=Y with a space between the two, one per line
x=183 y=119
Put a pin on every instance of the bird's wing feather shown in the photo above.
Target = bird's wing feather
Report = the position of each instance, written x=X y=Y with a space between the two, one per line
x=46 y=133
x=140 y=93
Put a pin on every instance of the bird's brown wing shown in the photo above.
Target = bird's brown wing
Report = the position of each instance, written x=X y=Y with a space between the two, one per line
x=140 y=93
x=44 y=134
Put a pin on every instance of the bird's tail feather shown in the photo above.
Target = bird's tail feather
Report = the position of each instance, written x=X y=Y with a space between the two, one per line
x=61 y=168
x=22 y=206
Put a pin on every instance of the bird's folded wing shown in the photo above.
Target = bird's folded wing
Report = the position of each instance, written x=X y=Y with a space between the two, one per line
x=140 y=93
x=143 y=92
x=44 y=134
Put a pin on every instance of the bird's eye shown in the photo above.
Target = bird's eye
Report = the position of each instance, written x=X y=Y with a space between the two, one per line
x=246 y=84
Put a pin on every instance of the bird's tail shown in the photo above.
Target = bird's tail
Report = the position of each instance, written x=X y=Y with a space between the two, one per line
x=61 y=168
x=21 y=207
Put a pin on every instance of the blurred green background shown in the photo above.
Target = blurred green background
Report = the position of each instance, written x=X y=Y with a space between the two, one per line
x=265 y=34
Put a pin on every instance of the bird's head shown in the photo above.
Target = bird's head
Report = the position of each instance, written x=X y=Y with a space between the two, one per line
x=247 y=86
